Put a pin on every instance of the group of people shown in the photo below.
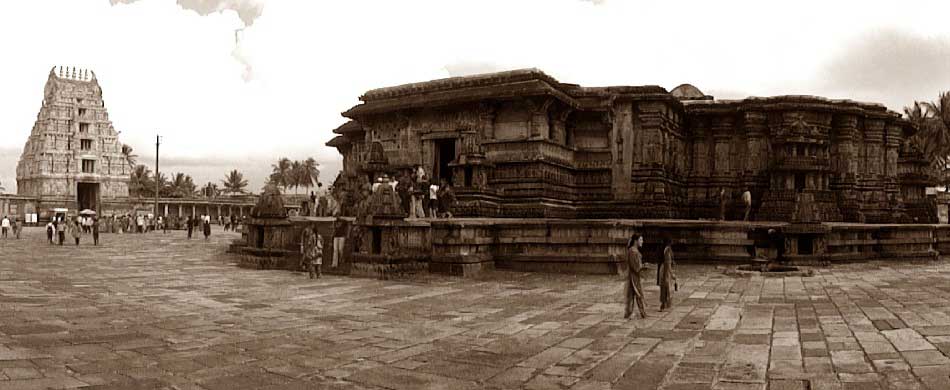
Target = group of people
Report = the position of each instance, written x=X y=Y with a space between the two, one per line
x=8 y=226
x=203 y=222
x=745 y=196
x=421 y=197
x=60 y=227
x=665 y=277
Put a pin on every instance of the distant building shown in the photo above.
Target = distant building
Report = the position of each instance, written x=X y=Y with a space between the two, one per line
x=73 y=158
x=522 y=144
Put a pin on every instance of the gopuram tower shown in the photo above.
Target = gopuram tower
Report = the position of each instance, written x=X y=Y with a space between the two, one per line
x=73 y=158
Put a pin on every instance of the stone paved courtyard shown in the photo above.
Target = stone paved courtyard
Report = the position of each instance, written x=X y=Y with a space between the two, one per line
x=159 y=311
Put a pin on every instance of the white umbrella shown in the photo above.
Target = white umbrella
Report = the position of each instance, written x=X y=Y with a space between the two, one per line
x=87 y=212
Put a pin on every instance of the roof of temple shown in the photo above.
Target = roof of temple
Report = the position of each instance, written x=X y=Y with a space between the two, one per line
x=348 y=127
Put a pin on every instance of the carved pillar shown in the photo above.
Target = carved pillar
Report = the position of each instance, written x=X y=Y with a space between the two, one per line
x=621 y=119
x=756 y=142
x=486 y=118
x=722 y=129
x=845 y=128
x=874 y=141
x=538 y=124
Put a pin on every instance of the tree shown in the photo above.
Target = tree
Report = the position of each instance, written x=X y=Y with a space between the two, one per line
x=282 y=172
x=296 y=173
x=234 y=182
x=163 y=189
x=129 y=157
x=182 y=185
x=140 y=181
x=933 y=135
x=310 y=173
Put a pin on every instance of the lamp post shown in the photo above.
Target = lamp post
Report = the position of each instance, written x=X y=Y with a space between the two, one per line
x=157 y=141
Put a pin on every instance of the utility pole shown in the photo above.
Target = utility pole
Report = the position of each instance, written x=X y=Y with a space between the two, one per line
x=155 y=214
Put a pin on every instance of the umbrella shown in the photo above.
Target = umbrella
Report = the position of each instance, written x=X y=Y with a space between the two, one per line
x=87 y=212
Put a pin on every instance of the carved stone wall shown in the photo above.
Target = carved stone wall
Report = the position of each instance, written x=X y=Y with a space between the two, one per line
x=528 y=146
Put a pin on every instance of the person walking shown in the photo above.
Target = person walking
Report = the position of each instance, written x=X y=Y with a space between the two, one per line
x=433 y=200
x=5 y=225
x=207 y=228
x=665 y=277
x=633 y=290
x=50 y=230
x=190 y=224
x=308 y=250
x=16 y=228
x=61 y=231
x=95 y=231
x=75 y=231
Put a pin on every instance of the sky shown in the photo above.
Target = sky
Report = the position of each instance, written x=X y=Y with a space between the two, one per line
x=236 y=84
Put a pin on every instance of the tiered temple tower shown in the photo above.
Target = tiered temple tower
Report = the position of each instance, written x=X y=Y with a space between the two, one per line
x=73 y=157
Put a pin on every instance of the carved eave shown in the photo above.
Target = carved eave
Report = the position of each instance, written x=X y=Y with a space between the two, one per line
x=338 y=142
x=348 y=127
x=520 y=89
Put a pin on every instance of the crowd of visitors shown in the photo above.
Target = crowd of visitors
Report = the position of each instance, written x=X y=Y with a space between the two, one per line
x=62 y=227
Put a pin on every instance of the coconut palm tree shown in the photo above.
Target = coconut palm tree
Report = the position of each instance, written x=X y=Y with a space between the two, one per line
x=933 y=136
x=234 y=182
x=282 y=172
x=311 y=174
x=140 y=181
x=163 y=188
x=296 y=173
x=129 y=157
x=182 y=185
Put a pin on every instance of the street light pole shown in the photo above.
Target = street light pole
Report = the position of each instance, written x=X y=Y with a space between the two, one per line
x=155 y=214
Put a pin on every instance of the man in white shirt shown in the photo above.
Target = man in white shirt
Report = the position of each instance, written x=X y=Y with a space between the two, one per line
x=5 y=225
x=433 y=200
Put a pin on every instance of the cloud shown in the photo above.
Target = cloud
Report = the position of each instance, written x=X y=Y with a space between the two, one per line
x=888 y=66
x=247 y=10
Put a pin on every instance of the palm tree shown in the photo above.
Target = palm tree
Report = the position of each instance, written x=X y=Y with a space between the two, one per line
x=182 y=185
x=310 y=174
x=163 y=189
x=140 y=180
x=281 y=172
x=129 y=157
x=234 y=182
x=933 y=136
x=296 y=173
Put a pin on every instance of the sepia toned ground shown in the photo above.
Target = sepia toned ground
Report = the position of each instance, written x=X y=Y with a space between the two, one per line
x=158 y=311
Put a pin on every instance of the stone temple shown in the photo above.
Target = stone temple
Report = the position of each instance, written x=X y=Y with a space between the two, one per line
x=522 y=144
x=73 y=158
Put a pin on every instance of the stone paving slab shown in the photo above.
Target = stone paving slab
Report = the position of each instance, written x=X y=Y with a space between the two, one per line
x=160 y=311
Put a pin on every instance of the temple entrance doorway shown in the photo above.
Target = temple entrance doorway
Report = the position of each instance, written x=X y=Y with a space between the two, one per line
x=87 y=196
x=444 y=154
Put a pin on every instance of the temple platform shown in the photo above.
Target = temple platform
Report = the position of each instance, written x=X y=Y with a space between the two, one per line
x=468 y=246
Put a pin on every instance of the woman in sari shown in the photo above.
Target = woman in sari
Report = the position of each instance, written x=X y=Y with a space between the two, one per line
x=633 y=291
x=665 y=277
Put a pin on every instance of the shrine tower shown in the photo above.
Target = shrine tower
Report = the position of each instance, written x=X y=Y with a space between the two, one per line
x=73 y=157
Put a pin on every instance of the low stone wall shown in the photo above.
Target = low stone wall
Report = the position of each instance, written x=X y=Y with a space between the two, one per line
x=468 y=246
x=861 y=242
